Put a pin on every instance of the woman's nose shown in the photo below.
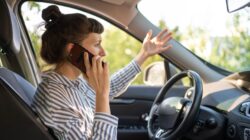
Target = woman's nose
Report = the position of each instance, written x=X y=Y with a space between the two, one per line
x=102 y=52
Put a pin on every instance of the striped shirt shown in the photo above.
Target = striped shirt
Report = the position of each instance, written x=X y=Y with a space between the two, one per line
x=68 y=106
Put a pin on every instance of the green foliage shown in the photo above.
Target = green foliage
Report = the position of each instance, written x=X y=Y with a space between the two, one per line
x=121 y=49
x=230 y=52
x=34 y=5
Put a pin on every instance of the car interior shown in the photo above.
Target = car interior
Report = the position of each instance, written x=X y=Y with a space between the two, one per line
x=214 y=106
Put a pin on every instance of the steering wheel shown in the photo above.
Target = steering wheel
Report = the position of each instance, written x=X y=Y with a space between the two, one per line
x=175 y=115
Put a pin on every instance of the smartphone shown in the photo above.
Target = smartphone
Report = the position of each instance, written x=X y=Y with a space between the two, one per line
x=76 y=57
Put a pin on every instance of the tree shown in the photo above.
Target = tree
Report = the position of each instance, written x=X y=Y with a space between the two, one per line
x=230 y=51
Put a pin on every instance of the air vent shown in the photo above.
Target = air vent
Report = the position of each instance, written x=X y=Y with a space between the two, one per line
x=245 y=109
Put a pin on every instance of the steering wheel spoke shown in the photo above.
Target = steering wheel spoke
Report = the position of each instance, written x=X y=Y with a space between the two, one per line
x=159 y=133
x=155 y=110
x=186 y=109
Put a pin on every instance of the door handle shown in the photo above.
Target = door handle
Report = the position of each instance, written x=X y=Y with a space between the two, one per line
x=122 y=101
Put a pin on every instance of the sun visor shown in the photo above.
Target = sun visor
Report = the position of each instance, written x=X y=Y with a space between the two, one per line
x=9 y=30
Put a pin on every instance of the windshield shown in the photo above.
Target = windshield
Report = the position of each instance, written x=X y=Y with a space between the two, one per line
x=205 y=28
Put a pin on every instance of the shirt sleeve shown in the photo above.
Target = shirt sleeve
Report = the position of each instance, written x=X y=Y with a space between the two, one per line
x=105 y=126
x=69 y=123
x=74 y=126
x=121 y=79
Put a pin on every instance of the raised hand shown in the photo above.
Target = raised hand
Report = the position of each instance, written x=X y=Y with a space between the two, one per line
x=152 y=46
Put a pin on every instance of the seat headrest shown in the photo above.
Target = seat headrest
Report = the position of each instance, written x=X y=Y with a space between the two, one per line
x=9 y=29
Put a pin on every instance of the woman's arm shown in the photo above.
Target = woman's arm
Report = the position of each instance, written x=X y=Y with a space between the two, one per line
x=121 y=79
x=151 y=46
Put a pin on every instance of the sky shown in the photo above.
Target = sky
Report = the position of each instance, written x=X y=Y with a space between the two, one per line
x=211 y=14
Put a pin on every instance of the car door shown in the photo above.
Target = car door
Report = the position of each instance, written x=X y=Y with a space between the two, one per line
x=133 y=106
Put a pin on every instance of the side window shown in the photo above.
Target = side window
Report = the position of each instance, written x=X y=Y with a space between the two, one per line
x=120 y=47
x=3 y=60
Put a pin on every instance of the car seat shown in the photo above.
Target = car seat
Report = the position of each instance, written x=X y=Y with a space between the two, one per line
x=17 y=120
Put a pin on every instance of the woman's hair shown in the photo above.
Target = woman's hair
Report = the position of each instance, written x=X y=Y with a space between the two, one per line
x=62 y=29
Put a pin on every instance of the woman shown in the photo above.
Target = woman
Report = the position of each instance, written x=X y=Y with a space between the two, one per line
x=74 y=106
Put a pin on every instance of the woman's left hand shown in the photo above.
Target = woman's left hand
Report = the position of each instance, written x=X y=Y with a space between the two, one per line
x=152 y=46
x=157 y=44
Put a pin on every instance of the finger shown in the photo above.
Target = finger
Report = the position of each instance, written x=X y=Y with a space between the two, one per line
x=149 y=35
x=94 y=61
x=86 y=61
x=94 y=71
x=94 y=65
x=165 y=48
x=159 y=36
x=166 y=38
x=106 y=77
x=99 y=65
x=105 y=67
x=106 y=71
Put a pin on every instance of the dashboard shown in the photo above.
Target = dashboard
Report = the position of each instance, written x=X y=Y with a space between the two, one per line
x=231 y=97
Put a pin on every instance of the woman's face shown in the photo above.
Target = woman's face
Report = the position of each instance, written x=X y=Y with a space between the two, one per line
x=93 y=44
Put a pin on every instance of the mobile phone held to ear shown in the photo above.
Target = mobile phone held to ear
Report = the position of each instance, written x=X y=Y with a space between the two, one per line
x=76 y=57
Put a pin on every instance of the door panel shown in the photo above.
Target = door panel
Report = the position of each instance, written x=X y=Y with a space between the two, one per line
x=132 y=108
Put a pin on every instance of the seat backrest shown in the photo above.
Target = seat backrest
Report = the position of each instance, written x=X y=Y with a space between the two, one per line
x=17 y=120
x=20 y=86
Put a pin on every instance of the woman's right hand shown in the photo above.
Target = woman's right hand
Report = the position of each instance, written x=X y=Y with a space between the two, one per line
x=98 y=78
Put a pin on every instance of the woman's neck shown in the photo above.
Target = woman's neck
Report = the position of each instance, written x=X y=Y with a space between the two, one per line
x=68 y=70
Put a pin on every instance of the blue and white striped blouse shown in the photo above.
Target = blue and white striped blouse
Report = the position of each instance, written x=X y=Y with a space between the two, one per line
x=68 y=106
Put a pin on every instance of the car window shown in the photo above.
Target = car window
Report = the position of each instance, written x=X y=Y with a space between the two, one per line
x=205 y=28
x=2 y=64
x=120 y=47
x=5 y=61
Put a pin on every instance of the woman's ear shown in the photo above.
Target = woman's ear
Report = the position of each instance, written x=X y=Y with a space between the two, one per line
x=69 y=46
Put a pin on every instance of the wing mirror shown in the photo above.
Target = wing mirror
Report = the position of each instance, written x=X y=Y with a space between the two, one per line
x=157 y=74
x=235 y=5
x=154 y=74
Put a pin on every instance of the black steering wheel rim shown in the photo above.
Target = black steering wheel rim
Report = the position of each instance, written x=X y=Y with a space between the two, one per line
x=193 y=106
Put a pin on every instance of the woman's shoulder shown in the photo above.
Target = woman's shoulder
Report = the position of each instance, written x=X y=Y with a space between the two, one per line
x=50 y=91
x=50 y=82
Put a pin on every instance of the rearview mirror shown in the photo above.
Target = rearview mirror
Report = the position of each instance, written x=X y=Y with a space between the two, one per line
x=235 y=5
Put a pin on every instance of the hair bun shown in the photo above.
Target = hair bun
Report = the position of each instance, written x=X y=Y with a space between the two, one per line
x=51 y=14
